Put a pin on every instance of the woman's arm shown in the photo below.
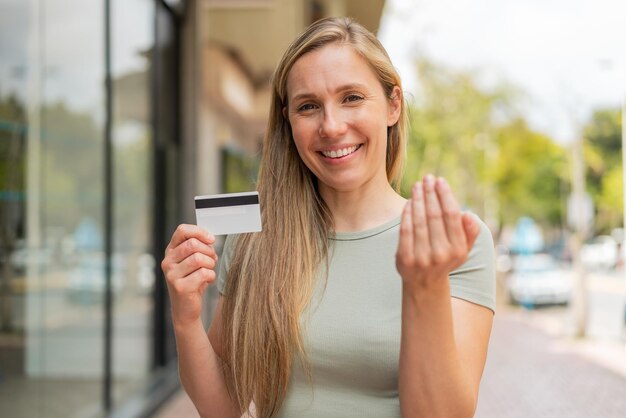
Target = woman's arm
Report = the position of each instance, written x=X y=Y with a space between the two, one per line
x=442 y=355
x=444 y=340
x=188 y=265
x=201 y=369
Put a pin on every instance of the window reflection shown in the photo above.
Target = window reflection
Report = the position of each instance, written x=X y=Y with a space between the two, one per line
x=64 y=347
x=132 y=52
x=15 y=256
x=52 y=200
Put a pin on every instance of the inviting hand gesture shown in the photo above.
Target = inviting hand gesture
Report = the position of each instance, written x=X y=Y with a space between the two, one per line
x=435 y=236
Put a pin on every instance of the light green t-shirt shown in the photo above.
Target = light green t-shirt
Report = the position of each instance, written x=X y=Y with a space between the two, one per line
x=352 y=331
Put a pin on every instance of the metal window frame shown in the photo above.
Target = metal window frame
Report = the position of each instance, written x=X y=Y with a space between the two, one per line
x=165 y=380
x=108 y=214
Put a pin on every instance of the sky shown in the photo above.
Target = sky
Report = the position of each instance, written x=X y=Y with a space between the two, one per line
x=567 y=56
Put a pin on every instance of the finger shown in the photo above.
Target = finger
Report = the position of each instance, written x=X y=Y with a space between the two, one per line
x=451 y=213
x=421 y=244
x=184 y=232
x=405 y=244
x=190 y=264
x=471 y=227
x=194 y=282
x=436 y=228
x=190 y=246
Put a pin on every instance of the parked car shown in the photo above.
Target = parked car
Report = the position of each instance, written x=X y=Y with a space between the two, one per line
x=600 y=253
x=538 y=279
x=504 y=259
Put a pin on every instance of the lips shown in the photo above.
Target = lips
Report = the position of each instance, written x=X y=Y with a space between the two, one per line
x=339 y=153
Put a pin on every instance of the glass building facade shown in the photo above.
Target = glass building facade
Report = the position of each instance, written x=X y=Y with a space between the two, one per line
x=89 y=172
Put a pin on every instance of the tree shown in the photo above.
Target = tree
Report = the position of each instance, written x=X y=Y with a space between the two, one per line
x=451 y=132
x=495 y=163
x=603 y=157
x=531 y=174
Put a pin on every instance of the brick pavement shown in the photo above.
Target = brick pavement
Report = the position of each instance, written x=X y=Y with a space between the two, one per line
x=528 y=375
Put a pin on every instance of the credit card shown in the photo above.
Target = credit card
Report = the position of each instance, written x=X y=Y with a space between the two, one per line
x=231 y=213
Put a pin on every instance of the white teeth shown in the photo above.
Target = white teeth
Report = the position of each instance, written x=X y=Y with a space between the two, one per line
x=341 y=152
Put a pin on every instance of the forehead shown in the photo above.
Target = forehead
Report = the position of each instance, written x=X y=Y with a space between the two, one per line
x=329 y=68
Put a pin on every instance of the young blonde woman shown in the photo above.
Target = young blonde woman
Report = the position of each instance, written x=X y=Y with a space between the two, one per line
x=352 y=301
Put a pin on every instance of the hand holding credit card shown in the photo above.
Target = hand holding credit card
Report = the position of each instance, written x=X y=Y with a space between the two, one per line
x=232 y=213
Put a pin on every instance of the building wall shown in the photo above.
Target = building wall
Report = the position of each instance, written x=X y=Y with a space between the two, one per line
x=66 y=349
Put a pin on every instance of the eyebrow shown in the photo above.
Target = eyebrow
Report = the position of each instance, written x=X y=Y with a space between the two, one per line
x=345 y=87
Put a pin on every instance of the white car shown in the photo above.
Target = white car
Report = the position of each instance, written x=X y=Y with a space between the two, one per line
x=537 y=279
x=601 y=253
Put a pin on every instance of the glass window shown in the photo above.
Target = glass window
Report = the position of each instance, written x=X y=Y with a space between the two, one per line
x=65 y=348
x=132 y=45
x=15 y=30
x=239 y=170
x=53 y=198
x=51 y=189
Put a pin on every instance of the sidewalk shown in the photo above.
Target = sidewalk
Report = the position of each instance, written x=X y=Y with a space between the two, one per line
x=530 y=373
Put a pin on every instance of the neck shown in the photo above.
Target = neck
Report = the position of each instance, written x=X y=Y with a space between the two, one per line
x=356 y=210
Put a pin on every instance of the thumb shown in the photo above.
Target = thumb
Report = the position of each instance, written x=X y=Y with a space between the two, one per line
x=203 y=287
x=471 y=228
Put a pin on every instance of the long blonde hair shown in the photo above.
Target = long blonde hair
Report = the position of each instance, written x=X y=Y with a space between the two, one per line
x=271 y=275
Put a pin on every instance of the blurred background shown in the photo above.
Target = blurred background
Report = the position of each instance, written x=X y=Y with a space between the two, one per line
x=115 y=113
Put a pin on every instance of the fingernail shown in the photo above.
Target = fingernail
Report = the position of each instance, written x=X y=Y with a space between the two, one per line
x=428 y=181
x=210 y=236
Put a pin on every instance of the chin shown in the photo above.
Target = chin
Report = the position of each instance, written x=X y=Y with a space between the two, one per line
x=337 y=185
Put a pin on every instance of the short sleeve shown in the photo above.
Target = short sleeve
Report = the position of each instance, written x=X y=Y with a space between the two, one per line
x=475 y=280
x=224 y=262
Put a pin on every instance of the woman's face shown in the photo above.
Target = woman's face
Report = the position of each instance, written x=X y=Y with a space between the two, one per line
x=339 y=116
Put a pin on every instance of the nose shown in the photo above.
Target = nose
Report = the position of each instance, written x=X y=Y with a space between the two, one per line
x=333 y=124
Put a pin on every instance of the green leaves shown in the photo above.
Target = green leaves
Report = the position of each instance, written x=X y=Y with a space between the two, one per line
x=603 y=157
x=494 y=162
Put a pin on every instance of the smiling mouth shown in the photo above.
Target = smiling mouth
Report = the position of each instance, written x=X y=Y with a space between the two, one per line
x=339 y=153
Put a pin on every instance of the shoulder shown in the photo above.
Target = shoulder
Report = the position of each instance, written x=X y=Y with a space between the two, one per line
x=475 y=280
x=484 y=241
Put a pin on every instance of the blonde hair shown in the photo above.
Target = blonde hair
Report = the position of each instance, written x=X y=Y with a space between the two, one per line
x=272 y=273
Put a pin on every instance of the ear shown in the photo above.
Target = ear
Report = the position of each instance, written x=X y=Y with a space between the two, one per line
x=285 y=113
x=395 y=106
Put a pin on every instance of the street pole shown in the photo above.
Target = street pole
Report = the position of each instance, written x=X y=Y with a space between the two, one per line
x=623 y=246
x=579 y=296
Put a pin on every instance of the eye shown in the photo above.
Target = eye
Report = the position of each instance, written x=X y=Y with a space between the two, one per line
x=353 y=98
x=305 y=107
